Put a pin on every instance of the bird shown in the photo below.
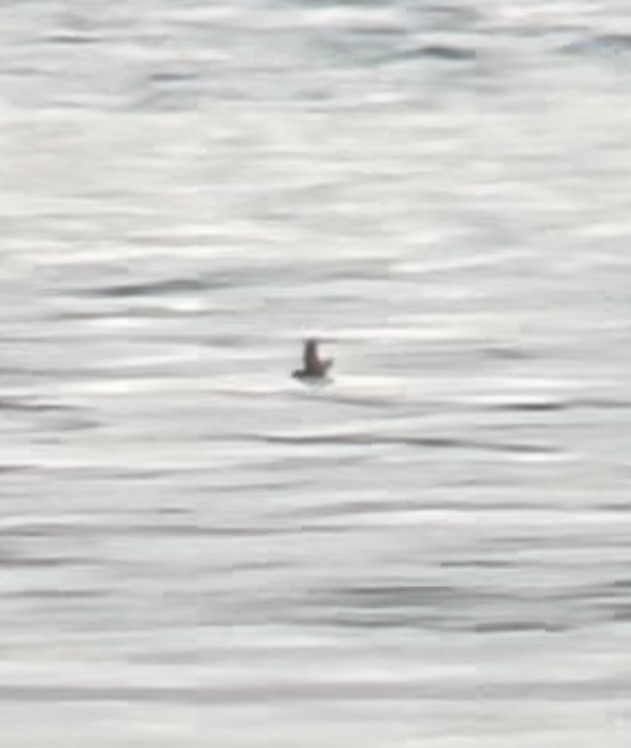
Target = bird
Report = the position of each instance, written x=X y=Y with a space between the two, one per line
x=314 y=368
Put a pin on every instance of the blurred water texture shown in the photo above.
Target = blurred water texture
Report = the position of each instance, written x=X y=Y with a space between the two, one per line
x=432 y=551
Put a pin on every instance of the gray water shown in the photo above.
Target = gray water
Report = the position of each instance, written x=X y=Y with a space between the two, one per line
x=432 y=550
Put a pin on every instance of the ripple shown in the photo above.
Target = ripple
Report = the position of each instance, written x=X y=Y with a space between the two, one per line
x=428 y=442
x=441 y=52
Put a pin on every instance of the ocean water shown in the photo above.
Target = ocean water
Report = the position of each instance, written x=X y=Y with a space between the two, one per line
x=434 y=549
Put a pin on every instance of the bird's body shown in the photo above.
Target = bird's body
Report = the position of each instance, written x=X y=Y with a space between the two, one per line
x=314 y=368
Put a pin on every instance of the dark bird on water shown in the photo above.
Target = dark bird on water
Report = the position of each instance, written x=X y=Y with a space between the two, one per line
x=314 y=368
